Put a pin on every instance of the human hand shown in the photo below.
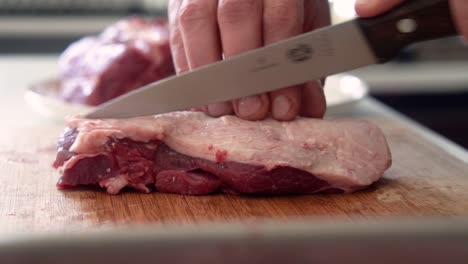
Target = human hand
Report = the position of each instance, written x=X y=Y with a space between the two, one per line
x=368 y=8
x=204 y=30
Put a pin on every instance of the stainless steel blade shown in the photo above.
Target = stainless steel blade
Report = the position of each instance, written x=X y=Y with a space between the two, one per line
x=294 y=61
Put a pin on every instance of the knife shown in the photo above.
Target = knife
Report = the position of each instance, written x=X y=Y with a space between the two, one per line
x=330 y=50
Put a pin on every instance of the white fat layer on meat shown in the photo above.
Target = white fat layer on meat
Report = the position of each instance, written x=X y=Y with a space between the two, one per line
x=347 y=153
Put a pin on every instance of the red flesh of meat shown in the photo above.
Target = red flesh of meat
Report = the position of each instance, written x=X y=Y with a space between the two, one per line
x=154 y=164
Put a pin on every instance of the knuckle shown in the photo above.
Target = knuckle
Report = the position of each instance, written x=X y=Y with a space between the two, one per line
x=234 y=11
x=283 y=16
x=175 y=38
x=192 y=11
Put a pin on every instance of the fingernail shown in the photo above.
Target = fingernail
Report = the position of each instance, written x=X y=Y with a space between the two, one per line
x=248 y=106
x=362 y=2
x=281 y=106
x=218 y=109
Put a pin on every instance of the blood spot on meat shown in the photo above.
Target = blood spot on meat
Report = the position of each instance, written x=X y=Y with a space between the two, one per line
x=307 y=146
x=221 y=155
x=313 y=146
x=210 y=147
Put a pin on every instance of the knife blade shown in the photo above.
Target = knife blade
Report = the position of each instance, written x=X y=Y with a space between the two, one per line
x=334 y=49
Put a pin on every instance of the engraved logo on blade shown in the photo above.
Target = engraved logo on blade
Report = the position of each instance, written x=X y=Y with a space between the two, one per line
x=263 y=63
x=300 y=53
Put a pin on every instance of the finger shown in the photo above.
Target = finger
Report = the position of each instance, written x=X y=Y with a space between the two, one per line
x=176 y=42
x=460 y=11
x=316 y=14
x=283 y=19
x=198 y=25
x=252 y=107
x=286 y=103
x=313 y=100
x=368 y=8
x=197 y=20
x=220 y=109
x=240 y=25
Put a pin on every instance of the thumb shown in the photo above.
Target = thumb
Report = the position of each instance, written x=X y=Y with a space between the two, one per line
x=369 y=8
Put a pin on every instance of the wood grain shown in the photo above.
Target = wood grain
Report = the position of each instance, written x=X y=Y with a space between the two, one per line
x=423 y=181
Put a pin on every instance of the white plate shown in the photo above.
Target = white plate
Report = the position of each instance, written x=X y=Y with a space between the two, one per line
x=344 y=89
x=340 y=90
x=43 y=98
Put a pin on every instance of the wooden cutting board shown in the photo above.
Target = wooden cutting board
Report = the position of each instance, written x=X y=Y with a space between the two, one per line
x=423 y=181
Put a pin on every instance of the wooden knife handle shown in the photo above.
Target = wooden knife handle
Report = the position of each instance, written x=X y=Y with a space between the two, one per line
x=411 y=22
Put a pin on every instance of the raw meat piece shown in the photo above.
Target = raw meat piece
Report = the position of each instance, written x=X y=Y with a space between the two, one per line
x=127 y=55
x=191 y=153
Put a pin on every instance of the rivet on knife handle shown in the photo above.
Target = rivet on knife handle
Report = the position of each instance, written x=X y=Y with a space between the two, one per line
x=411 y=22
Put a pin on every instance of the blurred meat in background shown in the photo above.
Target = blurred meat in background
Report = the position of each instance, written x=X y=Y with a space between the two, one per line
x=127 y=55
